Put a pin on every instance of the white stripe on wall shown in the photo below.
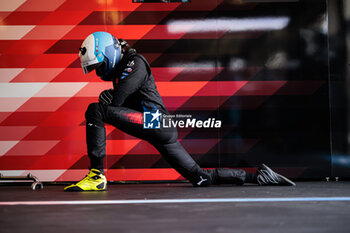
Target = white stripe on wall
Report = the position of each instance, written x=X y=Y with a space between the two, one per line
x=61 y=89
x=11 y=172
x=6 y=75
x=20 y=89
x=10 y=5
x=44 y=175
x=6 y=146
x=14 y=32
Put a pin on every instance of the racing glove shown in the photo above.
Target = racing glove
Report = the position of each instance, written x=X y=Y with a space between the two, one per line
x=106 y=97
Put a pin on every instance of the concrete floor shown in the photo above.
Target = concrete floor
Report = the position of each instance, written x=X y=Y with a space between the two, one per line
x=275 y=216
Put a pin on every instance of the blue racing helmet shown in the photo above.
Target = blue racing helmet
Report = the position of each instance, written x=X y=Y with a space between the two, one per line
x=100 y=51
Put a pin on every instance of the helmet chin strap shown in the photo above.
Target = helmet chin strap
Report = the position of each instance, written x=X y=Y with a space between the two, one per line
x=102 y=74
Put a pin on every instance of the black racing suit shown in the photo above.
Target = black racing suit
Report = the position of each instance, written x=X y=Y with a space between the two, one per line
x=134 y=92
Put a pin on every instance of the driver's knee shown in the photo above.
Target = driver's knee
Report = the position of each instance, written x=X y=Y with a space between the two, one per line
x=94 y=113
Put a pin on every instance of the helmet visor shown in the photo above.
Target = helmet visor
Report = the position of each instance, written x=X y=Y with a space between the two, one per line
x=89 y=68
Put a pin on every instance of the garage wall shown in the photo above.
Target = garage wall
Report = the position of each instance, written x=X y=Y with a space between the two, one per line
x=260 y=68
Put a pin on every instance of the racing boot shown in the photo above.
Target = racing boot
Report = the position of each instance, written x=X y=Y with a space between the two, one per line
x=94 y=181
x=266 y=176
